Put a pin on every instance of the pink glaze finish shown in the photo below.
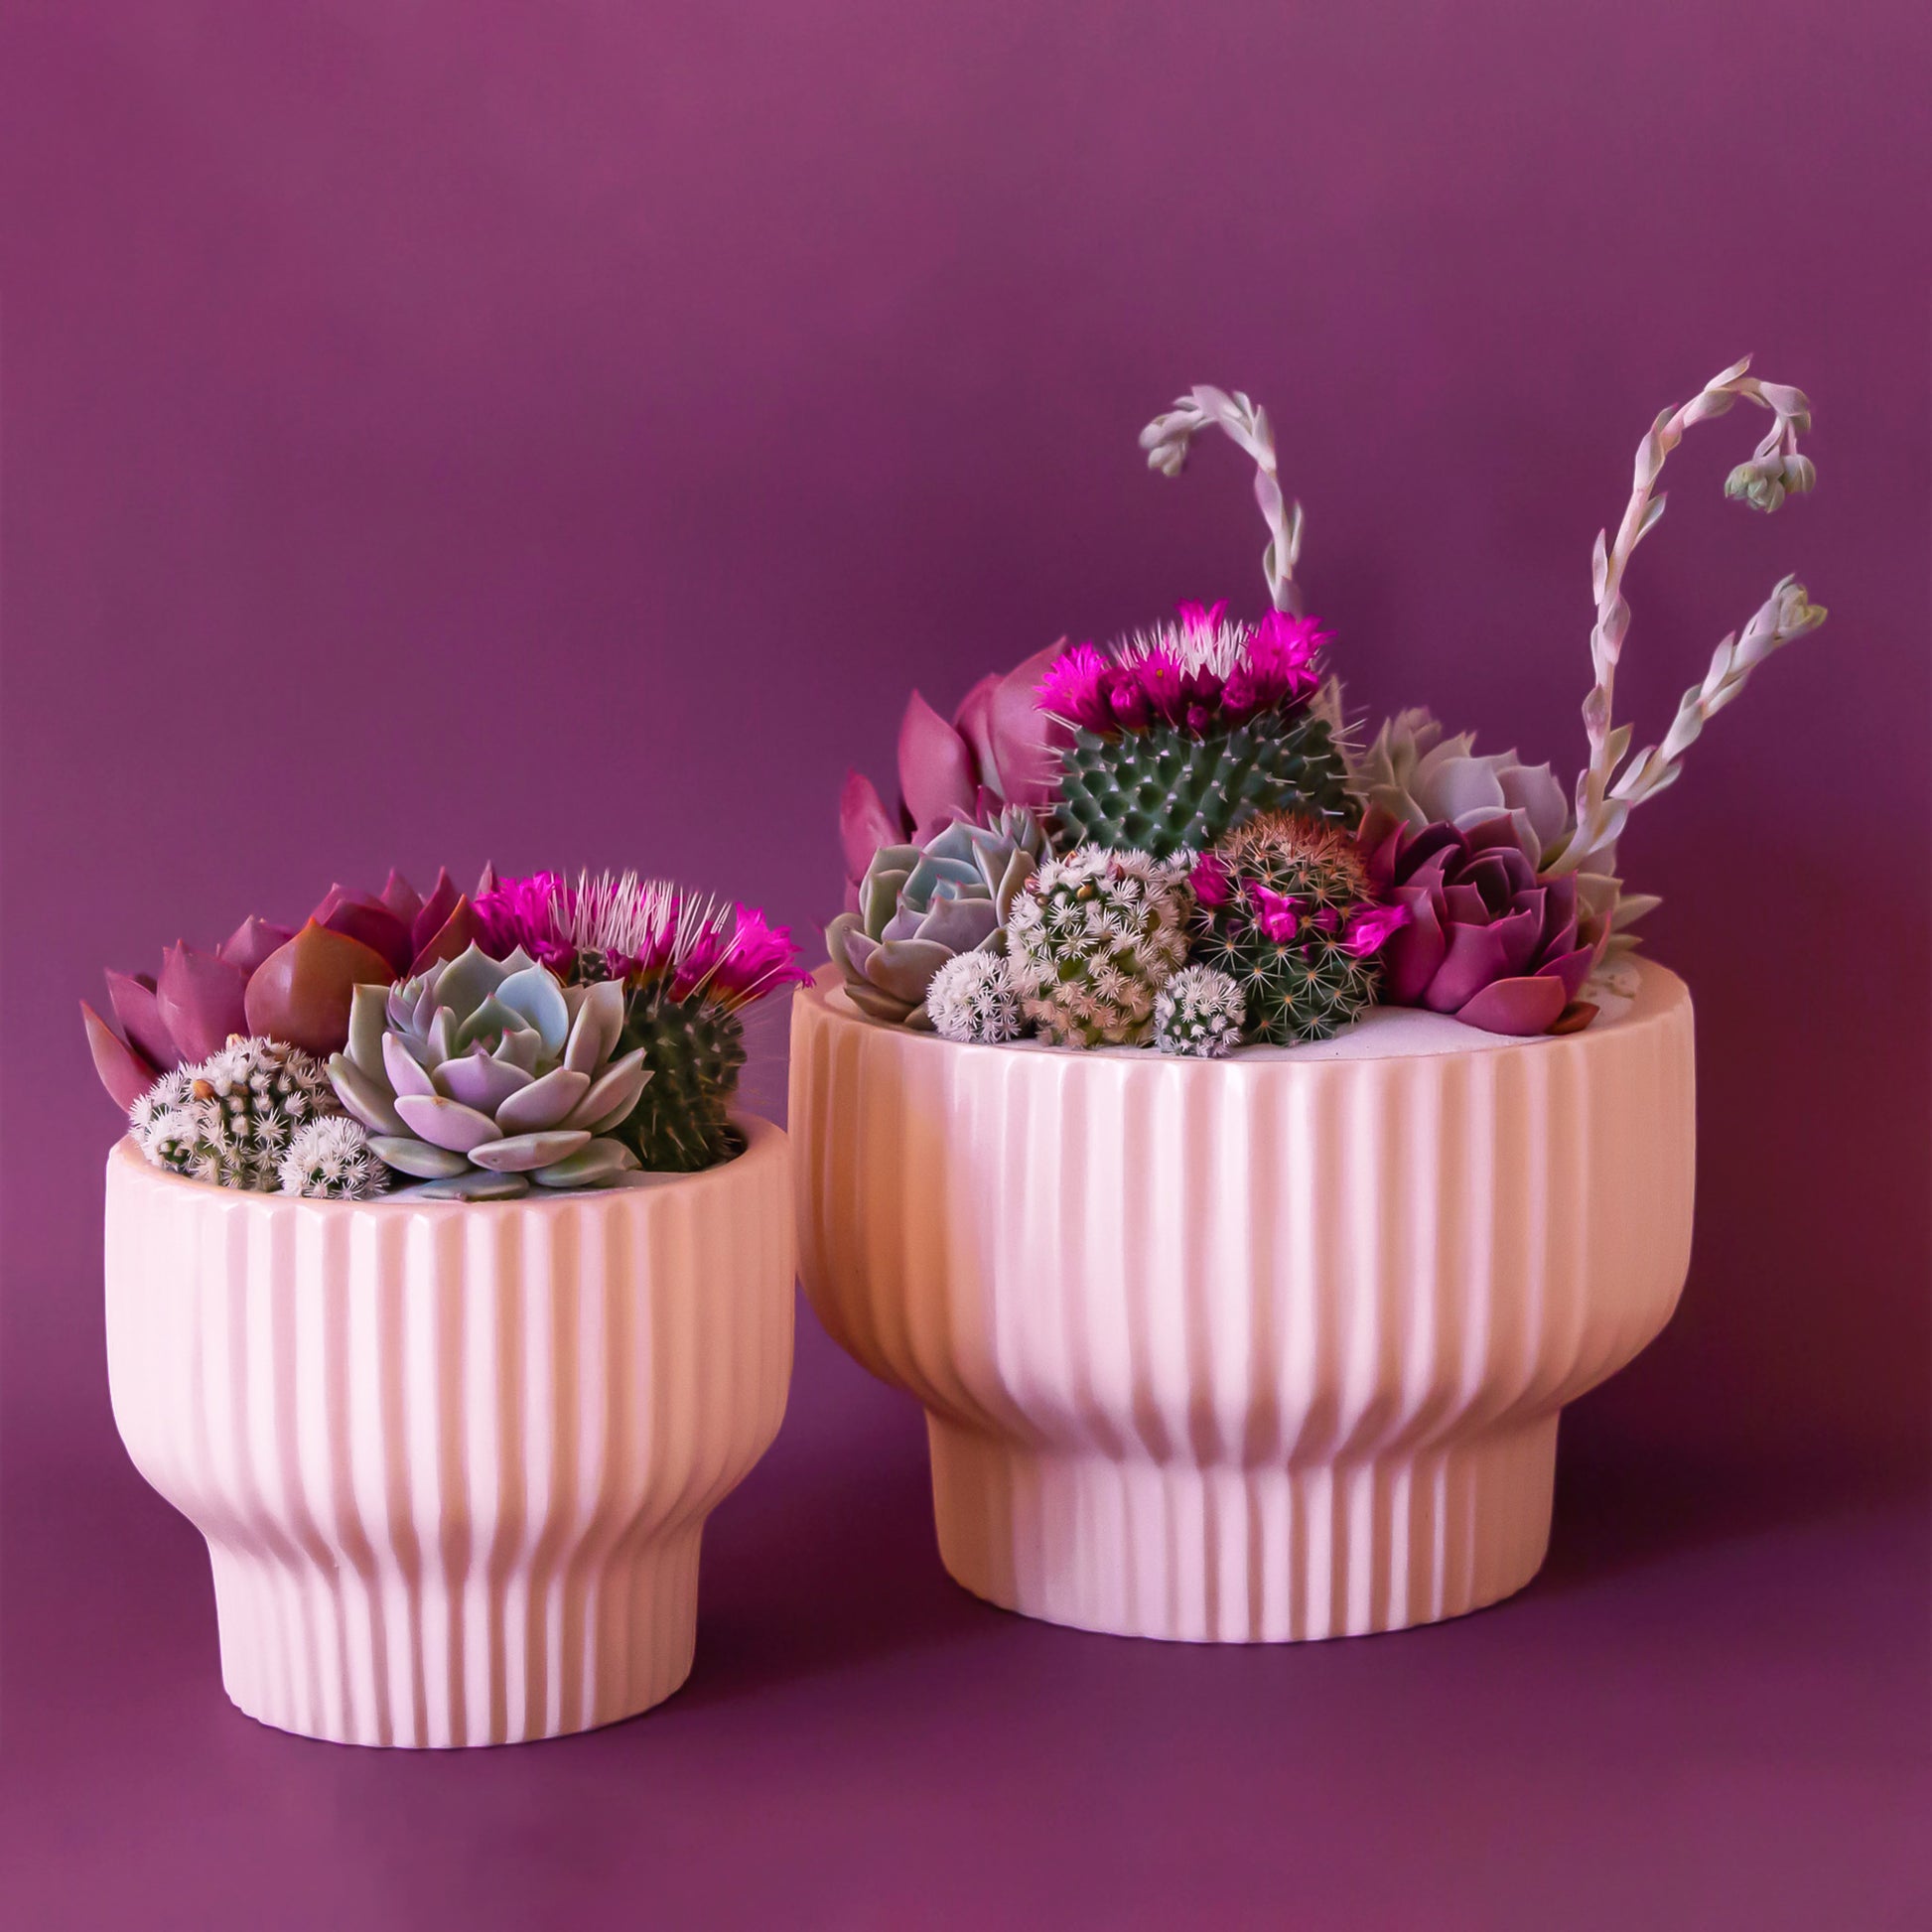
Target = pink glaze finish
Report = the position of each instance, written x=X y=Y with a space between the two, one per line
x=452 y=1460
x=1246 y=1350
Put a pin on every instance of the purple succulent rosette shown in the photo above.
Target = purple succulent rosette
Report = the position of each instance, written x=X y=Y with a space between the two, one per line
x=1487 y=940
x=999 y=750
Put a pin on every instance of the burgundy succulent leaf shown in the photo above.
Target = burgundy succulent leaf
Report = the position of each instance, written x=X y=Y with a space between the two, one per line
x=401 y=898
x=433 y=913
x=123 y=1072
x=1485 y=938
x=133 y=997
x=997 y=748
x=454 y=936
x=364 y=917
x=188 y=1010
x=937 y=772
x=865 y=827
x=200 y=998
x=302 y=992
x=251 y=942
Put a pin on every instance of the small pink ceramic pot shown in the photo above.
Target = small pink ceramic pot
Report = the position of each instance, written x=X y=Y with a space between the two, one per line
x=452 y=1459
x=1253 y=1349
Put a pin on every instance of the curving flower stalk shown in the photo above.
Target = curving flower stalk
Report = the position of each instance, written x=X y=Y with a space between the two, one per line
x=1606 y=794
x=1166 y=440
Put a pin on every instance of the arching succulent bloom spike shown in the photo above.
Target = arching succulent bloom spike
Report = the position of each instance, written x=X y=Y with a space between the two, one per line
x=1166 y=441
x=1611 y=785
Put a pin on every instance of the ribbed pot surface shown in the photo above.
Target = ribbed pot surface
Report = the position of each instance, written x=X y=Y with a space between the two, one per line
x=452 y=1460
x=1246 y=1350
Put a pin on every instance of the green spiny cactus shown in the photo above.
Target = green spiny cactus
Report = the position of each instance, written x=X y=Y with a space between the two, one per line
x=1091 y=939
x=1282 y=905
x=695 y=1050
x=1168 y=788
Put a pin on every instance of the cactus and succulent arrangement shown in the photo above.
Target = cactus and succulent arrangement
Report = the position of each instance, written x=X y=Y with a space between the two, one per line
x=1177 y=841
x=538 y=1032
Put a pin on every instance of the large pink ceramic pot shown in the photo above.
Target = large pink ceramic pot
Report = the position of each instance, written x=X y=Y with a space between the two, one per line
x=1253 y=1349
x=452 y=1460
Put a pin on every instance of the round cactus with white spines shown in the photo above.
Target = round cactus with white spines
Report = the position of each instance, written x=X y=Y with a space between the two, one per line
x=1199 y=1013
x=1093 y=938
x=330 y=1159
x=229 y=1119
x=972 y=998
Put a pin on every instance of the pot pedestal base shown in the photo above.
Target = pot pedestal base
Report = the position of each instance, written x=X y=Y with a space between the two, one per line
x=362 y=1656
x=1237 y=1554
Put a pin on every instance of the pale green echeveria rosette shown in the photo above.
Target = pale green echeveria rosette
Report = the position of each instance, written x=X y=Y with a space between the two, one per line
x=1423 y=779
x=921 y=906
x=485 y=1077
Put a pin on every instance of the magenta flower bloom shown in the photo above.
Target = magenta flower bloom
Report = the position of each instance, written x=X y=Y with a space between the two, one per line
x=532 y=912
x=1072 y=688
x=1275 y=912
x=1371 y=928
x=738 y=956
x=641 y=930
x=1486 y=939
x=1197 y=674
x=1209 y=879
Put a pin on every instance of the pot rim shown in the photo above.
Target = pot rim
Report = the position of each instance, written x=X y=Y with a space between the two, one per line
x=764 y=1147
x=1659 y=996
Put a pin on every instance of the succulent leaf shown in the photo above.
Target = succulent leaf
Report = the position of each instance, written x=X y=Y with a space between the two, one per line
x=921 y=906
x=596 y=1165
x=303 y=991
x=521 y=1153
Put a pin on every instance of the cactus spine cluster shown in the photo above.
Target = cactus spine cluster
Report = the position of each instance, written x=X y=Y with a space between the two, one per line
x=330 y=1159
x=1092 y=940
x=1199 y=1013
x=694 y=1048
x=230 y=1118
x=1279 y=908
x=1170 y=789
x=972 y=998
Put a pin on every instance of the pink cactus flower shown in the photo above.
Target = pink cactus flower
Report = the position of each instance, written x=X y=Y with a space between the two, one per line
x=1370 y=928
x=1209 y=879
x=1275 y=912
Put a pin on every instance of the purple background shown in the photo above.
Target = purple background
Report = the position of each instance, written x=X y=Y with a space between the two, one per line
x=435 y=432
